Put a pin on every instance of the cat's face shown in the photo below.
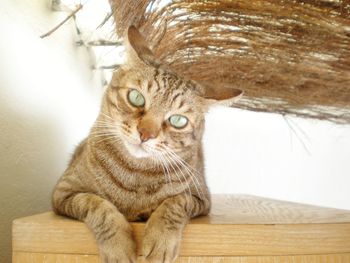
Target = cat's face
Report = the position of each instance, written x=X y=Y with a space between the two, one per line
x=154 y=111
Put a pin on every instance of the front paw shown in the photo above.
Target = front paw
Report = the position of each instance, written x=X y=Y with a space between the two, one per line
x=161 y=245
x=120 y=248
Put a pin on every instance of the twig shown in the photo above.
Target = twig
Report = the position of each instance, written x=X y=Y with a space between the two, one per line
x=114 y=66
x=79 y=7
x=100 y=42
x=108 y=16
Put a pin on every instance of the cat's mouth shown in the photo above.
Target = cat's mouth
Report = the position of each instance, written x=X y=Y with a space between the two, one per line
x=137 y=150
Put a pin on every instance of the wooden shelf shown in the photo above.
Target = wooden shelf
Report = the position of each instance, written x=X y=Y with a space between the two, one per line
x=239 y=229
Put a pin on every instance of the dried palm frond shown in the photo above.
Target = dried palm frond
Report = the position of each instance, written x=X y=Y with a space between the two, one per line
x=290 y=57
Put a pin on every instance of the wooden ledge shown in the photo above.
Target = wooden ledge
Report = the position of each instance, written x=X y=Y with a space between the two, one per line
x=238 y=226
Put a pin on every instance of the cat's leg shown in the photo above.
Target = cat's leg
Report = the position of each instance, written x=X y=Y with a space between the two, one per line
x=164 y=228
x=111 y=229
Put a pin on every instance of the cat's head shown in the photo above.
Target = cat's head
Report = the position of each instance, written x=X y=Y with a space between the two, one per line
x=153 y=110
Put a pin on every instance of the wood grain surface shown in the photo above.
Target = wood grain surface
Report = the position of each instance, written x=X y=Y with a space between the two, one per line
x=20 y=257
x=238 y=229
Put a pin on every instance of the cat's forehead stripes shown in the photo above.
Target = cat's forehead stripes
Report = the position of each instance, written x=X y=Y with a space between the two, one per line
x=177 y=99
x=156 y=80
x=169 y=80
x=174 y=88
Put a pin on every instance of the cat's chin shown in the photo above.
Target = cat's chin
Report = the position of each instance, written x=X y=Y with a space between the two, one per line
x=136 y=150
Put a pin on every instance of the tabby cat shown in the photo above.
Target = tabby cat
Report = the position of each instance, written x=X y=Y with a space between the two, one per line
x=142 y=160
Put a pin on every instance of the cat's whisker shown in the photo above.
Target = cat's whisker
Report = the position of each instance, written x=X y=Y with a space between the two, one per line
x=195 y=181
x=183 y=175
x=165 y=170
x=185 y=186
x=105 y=121
x=162 y=161
x=109 y=130
x=166 y=173
x=108 y=138
x=105 y=135
x=110 y=124
x=176 y=164
x=110 y=121
x=99 y=134
x=192 y=176
x=103 y=129
x=188 y=165
x=104 y=114
x=99 y=124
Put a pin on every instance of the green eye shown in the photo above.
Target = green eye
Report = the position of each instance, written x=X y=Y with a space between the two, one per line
x=136 y=98
x=178 y=121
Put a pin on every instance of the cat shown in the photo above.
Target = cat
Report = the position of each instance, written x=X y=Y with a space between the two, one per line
x=142 y=160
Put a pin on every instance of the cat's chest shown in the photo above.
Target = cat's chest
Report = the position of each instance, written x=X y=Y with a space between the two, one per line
x=138 y=205
x=137 y=202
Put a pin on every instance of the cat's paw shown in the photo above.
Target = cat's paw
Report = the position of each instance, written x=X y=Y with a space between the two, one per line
x=161 y=245
x=120 y=248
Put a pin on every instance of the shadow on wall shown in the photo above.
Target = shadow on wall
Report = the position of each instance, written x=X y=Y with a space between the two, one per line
x=30 y=163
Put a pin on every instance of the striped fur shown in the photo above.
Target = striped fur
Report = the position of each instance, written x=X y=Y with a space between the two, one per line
x=106 y=184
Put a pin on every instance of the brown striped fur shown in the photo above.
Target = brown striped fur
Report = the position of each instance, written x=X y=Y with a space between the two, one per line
x=114 y=177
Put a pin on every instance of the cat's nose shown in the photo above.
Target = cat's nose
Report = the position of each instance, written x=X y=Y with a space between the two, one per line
x=146 y=134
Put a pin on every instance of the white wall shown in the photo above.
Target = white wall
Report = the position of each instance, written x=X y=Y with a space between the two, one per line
x=48 y=102
x=259 y=154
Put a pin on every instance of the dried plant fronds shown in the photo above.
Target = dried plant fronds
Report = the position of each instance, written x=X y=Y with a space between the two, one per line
x=290 y=57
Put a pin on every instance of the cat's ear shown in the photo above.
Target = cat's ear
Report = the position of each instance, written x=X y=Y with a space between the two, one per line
x=137 y=49
x=221 y=95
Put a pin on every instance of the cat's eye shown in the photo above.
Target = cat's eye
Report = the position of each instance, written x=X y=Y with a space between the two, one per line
x=178 y=121
x=136 y=98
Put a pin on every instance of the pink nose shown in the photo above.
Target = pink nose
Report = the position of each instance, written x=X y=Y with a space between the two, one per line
x=146 y=134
